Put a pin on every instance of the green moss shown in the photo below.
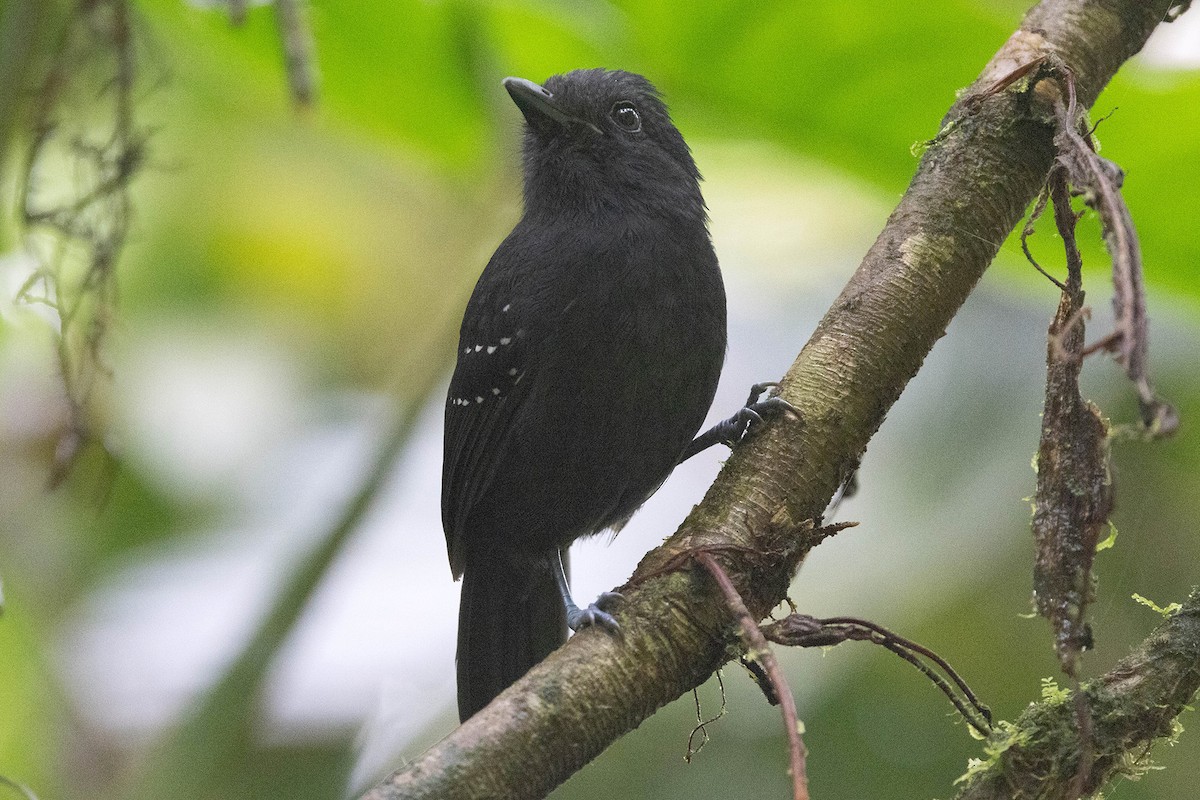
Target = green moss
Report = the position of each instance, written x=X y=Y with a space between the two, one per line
x=1005 y=735
x=1052 y=693
x=1166 y=611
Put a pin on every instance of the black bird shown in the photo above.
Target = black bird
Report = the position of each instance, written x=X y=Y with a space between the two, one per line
x=588 y=357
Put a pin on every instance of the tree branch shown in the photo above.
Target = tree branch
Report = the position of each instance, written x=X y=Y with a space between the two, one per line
x=1131 y=706
x=970 y=190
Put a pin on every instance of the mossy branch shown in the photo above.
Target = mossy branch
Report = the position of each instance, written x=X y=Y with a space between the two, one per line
x=971 y=189
x=1132 y=705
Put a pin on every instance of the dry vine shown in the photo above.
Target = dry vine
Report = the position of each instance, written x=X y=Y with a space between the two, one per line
x=78 y=228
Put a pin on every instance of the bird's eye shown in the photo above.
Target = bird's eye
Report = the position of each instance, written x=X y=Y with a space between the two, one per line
x=626 y=117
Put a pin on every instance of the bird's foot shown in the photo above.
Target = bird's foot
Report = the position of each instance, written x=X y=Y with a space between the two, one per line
x=596 y=614
x=731 y=431
x=734 y=429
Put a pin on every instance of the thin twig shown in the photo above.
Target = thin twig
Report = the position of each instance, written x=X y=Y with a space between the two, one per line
x=702 y=723
x=757 y=645
x=802 y=630
x=237 y=13
x=916 y=647
x=1029 y=230
x=297 y=50
x=681 y=559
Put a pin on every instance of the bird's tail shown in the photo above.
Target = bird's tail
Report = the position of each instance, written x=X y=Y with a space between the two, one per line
x=510 y=618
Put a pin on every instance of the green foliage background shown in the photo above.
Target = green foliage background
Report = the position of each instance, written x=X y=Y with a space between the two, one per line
x=350 y=233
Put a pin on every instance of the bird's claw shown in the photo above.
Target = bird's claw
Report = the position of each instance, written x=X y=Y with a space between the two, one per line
x=757 y=390
x=752 y=413
x=596 y=614
x=773 y=402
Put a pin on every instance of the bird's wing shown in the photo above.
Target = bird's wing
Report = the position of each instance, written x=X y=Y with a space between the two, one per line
x=487 y=389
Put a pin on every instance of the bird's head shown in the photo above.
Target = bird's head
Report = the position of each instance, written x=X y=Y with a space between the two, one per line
x=601 y=140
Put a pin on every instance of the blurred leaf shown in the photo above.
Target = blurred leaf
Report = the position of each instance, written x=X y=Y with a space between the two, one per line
x=30 y=710
x=222 y=730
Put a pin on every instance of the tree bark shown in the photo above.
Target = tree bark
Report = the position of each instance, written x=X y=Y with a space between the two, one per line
x=970 y=190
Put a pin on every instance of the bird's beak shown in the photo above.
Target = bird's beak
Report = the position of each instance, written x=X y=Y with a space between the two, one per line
x=538 y=105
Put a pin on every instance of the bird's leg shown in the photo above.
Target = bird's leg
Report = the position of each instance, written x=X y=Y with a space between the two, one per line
x=732 y=430
x=595 y=613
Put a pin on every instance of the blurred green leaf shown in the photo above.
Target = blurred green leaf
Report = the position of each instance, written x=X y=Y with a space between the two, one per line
x=30 y=705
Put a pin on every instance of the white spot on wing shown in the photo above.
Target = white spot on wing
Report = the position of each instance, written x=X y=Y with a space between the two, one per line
x=491 y=349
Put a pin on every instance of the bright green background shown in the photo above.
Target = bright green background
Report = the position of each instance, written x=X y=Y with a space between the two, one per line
x=348 y=235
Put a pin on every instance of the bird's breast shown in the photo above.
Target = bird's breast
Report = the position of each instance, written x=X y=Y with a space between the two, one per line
x=641 y=323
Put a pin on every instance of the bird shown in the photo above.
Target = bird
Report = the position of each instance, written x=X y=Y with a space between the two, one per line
x=588 y=358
